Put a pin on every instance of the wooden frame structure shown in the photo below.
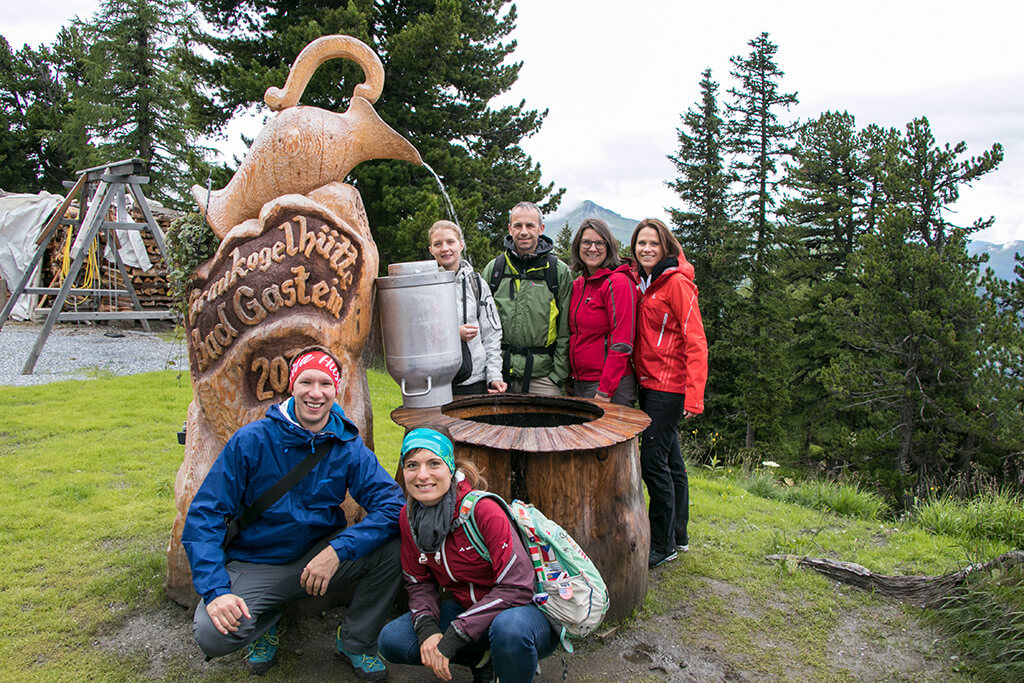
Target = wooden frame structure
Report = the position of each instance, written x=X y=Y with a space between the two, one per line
x=111 y=181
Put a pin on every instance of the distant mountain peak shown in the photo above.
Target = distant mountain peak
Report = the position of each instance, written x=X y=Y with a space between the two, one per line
x=620 y=226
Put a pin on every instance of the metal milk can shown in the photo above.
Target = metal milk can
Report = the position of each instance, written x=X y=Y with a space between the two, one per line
x=420 y=327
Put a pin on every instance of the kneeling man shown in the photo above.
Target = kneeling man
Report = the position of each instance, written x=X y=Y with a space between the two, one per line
x=301 y=545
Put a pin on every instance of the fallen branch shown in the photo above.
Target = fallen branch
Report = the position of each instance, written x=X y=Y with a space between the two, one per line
x=922 y=591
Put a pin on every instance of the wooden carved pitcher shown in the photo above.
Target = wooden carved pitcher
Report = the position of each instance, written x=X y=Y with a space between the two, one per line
x=295 y=267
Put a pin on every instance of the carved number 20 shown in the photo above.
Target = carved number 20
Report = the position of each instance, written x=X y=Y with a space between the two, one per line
x=275 y=371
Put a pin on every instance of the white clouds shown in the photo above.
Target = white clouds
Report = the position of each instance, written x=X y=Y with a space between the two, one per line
x=616 y=77
x=886 y=62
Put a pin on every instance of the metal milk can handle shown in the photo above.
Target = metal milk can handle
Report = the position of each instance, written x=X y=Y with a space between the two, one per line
x=421 y=393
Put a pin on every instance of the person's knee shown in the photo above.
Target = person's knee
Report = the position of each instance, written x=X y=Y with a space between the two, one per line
x=212 y=642
x=398 y=643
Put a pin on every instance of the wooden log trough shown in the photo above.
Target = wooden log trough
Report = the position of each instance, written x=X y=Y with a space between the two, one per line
x=576 y=459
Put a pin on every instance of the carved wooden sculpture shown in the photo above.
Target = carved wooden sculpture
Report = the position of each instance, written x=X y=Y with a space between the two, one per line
x=295 y=268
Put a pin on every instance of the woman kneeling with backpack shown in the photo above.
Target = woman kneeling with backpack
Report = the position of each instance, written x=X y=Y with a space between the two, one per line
x=492 y=626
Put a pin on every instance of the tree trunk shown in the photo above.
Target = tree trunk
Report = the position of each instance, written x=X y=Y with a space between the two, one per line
x=923 y=591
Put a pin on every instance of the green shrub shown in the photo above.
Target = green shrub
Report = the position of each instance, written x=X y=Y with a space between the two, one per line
x=992 y=516
x=843 y=499
x=190 y=243
x=764 y=484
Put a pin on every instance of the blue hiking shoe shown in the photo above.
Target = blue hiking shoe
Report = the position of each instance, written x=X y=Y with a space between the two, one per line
x=262 y=653
x=368 y=667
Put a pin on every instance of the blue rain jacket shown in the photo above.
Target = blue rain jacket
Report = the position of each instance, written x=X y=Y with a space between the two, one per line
x=255 y=458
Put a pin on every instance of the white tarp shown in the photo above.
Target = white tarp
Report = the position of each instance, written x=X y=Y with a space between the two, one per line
x=22 y=217
x=133 y=248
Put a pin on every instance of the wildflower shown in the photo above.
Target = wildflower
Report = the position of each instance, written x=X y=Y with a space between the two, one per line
x=769 y=463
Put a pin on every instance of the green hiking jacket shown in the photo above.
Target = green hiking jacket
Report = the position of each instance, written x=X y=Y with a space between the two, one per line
x=527 y=316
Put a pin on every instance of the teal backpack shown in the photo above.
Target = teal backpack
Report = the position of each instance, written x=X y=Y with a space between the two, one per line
x=567 y=586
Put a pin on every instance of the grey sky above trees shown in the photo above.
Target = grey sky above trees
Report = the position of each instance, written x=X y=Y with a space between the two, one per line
x=617 y=82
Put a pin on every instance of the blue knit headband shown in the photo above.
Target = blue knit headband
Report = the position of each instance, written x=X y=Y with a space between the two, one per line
x=435 y=442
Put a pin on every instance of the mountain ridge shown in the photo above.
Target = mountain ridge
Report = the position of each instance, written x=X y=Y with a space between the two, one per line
x=1001 y=256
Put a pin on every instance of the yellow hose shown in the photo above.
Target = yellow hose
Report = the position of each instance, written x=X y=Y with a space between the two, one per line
x=92 y=268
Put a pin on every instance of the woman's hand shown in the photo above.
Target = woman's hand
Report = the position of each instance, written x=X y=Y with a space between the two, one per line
x=602 y=397
x=433 y=659
x=497 y=387
x=687 y=414
x=467 y=332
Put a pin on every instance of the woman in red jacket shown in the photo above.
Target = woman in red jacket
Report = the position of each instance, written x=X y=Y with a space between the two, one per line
x=492 y=625
x=602 y=317
x=671 y=360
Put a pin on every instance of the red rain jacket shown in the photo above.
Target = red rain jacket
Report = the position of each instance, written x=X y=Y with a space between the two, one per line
x=671 y=349
x=602 y=326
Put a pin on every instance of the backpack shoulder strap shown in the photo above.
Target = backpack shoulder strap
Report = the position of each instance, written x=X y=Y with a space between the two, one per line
x=552 y=275
x=477 y=288
x=468 y=522
x=497 y=272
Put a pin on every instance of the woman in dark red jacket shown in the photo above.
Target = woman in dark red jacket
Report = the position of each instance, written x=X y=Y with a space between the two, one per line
x=671 y=360
x=602 y=317
x=492 y=625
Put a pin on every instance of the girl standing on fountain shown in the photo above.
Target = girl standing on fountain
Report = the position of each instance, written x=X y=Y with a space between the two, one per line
x=671 y=360
x=492 y=625
x=481 y=327
x=602 y=317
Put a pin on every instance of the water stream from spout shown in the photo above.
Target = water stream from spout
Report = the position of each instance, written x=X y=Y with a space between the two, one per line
x=444 y=193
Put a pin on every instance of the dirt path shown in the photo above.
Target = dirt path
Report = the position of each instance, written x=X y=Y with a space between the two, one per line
x=659 y=648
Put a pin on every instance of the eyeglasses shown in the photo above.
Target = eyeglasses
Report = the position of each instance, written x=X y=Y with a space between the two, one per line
x=587 y=244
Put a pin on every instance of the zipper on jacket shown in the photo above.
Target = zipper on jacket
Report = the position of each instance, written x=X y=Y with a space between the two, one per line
x=444 y=561
x=664 y=321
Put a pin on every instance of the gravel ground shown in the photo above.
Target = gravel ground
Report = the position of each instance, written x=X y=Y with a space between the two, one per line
x=83 y=351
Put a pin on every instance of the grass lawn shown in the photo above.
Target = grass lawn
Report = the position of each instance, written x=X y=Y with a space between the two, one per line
x=86 y=506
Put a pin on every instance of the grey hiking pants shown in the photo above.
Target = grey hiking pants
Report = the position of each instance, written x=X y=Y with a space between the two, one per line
x=265 y=587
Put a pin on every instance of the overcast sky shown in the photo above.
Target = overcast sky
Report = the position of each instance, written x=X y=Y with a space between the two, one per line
x=616 y=76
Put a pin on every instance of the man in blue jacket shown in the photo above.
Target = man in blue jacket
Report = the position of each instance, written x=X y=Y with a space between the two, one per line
x=301 y=545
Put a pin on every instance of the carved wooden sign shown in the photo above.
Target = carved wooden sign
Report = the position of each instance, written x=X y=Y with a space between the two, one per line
x=297 y=273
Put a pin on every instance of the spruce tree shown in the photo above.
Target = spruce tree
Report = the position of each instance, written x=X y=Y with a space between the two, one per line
x=133 y=96
x=444 y=63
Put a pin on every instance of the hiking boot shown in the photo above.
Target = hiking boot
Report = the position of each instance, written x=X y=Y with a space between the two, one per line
x=684 y=548
x=483 y=672
x=368 y=667
x=656 y=558
x=262 y=652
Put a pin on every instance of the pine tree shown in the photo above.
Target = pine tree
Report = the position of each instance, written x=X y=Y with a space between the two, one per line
x=757 y=139
x=914 y=332
x=563 y=243
x=929 y=178
x=133 y=96
x=444 y=62
x=35 y=133
x=709 y=238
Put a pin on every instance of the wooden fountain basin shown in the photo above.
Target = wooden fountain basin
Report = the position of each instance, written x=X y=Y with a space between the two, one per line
x=576 y=459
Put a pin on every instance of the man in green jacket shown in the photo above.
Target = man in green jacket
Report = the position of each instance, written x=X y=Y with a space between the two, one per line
x=531 y=288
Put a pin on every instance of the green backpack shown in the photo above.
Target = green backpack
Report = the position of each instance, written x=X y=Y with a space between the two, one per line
x=568 y=589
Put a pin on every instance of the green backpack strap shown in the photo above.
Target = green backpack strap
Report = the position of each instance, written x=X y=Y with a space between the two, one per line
x=468 y=522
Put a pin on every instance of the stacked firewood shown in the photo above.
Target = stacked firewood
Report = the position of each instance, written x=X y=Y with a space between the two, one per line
x=151 y=286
